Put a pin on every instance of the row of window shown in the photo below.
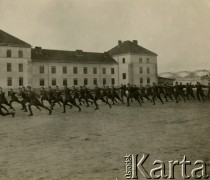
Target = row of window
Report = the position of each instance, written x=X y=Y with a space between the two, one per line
x=10 y=82
x=141 y=70
x=75 y=70
x=142 y=80
x=75 y=81
x=140 y=60
x=9 y=67
x=9 y=53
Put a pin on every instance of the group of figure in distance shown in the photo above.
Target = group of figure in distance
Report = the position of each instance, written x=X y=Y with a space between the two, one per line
x=76 y=97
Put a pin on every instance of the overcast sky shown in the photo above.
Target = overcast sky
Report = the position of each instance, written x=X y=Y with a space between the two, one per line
x=178 y=31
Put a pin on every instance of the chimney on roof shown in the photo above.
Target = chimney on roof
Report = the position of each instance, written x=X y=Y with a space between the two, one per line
x=135 y=42
x=79 y=52
x=106 y=54
x=38 y=50
x=119 y=42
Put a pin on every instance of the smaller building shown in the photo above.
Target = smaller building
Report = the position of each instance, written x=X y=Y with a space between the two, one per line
x=205 y=80
x=163 y=80
x=185 y=77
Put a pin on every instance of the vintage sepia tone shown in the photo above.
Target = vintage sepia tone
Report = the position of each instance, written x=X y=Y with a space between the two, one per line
x=104 y=89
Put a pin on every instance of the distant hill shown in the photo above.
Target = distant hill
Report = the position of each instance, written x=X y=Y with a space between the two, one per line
x=198 y=73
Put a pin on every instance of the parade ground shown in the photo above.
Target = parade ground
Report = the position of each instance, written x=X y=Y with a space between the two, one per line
x=91 y=144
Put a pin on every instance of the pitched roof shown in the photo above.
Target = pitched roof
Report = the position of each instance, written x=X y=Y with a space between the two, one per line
x=9 y=40
x=130 y=47
x=78 y=56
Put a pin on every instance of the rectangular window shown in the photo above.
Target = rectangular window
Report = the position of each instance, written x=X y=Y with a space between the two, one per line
x=140 y=60
x=113 y=81
x=124 y=75
x=53 y=70
x=85 y=70
x=41 y=82
x=20 y=54
x=85 y=81
x=75 y=81
x=75 y=70
x=112 y=70
x=94 y=70
x=9 y=53
x=140 y=70
x=148 y=70
x=53 y=82
x=20 y=67
x=95 y=81
x=20 y=81
x=104 y=81
x=41 y=69
x=103 y=70
x=9 y=81
x=64 y=70
x=123 y=60
x=148 y=80
x=65 y=82
x=148 y=60
x=141 y=80
x=9 y=67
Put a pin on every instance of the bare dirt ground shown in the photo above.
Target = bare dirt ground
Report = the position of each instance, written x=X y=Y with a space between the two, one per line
x=91 y=145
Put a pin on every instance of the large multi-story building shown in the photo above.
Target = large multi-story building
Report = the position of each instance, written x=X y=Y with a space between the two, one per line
x=22 y=65
x=55 y=67
x=136 y=64
x=15 y=61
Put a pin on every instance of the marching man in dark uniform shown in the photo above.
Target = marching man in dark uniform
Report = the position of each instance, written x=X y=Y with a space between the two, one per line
x=199 y=91
x=132 y=92
x=14 y=98
x=3 y=99
x=123 y=92
x=178 y=91
x=115 y=96
x=24 y=100
x=76 y=95
x=6 y=113
x=189 y=91
x=99 y=96
x=168 y=91
x=143 y=93
x=34 y=101
x=68 y=99
x=156 y=94
x=44 y=97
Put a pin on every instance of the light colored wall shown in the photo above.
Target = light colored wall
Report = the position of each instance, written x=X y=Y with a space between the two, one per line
x=26 y=52
x=123 y=68
x=14 y=60
x=48 y=76
x=186 y=80
x=132 y=65
x=152 y=65
x=205 y=81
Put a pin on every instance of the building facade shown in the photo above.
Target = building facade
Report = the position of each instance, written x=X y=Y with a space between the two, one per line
x=136 y=64
x=22 y=65
x=72 y=68
x=163 y=80
x=15 y=62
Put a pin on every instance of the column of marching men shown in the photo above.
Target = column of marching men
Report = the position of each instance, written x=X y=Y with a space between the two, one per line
x=76 y=97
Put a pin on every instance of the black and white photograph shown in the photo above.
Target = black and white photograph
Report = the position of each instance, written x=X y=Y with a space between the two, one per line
x=104 y=89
